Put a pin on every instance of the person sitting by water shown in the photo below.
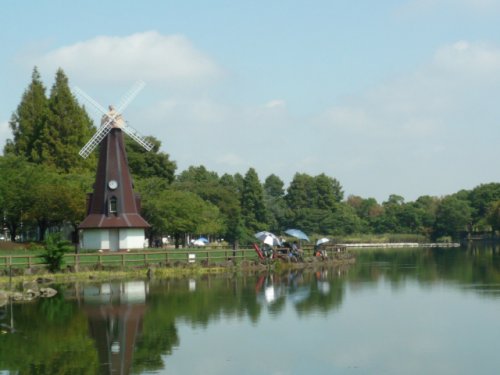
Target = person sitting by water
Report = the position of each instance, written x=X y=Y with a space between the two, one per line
x=267 y=250
x=296 y=250
x=319 y=251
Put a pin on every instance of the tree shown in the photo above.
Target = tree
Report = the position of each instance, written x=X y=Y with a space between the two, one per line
x=54 y=251
x=427 y=207
x=16 y=187
x=481 y=198
x=493 y=216
x=180 y=213
x=452 y=217
x=300 y=193
x=50 y=131
x=274 y=194
x=144 y=164
x=197 y=176
x=150 y=190
x=368 y=210
x=328 y=192
x=273 y=187
x=68 y=129
x=343 y=221
x=29 y=121
x=253 y=209
x=233 y=186
x=47 y=204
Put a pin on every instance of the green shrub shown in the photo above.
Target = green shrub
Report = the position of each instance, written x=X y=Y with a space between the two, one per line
x=54 y=250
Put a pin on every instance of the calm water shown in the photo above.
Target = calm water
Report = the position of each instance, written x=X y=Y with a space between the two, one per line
x=410 y=311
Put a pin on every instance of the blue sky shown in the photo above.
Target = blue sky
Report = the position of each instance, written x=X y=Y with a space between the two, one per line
x=389 y=97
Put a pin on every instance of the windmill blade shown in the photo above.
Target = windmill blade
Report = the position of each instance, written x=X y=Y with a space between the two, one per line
x=95 y=140
x=134 y=134
x=82 y=94
x=130 y=95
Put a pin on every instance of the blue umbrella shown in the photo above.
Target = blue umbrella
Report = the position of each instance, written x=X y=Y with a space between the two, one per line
x=203 y=239
x=297 y=233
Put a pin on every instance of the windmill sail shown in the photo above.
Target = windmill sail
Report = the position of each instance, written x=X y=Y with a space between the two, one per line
x=112 y=119
x=95 y=140
x=134 y=134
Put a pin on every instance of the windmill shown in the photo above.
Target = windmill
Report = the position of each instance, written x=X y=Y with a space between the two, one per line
x=113 y=220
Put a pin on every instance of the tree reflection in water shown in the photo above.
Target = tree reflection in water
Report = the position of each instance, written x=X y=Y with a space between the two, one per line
x=132 y=327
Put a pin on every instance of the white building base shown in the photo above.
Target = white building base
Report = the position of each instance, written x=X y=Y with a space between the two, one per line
x=113 y=239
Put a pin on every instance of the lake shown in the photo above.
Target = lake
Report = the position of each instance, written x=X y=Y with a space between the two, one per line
x=396 y=311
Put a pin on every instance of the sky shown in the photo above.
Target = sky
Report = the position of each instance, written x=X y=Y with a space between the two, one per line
x=388 y=97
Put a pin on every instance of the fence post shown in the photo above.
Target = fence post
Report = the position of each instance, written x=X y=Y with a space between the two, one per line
x=145 y=259
x=123 y=260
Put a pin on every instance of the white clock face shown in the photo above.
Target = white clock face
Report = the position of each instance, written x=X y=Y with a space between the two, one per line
x=112 y=184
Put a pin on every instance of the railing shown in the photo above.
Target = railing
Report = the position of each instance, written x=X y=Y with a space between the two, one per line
x=132 y=258
x=145 y=258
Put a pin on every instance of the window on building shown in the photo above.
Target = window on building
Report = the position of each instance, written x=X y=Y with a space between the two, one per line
x=112 y=205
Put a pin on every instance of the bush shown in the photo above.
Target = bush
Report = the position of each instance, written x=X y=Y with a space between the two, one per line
x=53 y=253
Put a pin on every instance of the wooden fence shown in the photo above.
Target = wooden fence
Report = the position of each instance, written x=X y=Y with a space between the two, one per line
x=123 y=259
x=143 y=258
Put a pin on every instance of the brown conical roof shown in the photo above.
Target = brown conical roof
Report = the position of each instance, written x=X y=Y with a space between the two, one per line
x=113 y=204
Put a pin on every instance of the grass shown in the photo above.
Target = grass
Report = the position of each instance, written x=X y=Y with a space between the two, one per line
x=382 y=238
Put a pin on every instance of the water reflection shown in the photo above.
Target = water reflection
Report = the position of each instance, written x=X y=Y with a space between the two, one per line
x=134 y=327
x=115 y=312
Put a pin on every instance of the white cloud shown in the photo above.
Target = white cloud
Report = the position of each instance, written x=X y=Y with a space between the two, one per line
x=275 y=103
x=409 y=132
x=478 y=61
x=422 y=102
x=151 y=56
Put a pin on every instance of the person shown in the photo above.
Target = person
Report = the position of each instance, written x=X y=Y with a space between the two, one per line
x=319 y=251
x=267 y=250
x=296 y=250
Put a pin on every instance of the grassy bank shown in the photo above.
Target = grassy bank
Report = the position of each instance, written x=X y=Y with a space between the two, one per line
x=382 y=238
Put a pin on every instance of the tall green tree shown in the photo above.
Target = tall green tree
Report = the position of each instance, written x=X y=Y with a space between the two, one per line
x=301 y=192
x=68 y=129
x=231 y=209
x=274 y=187
x=253 y=208
x=29 y=121
x=274 y=196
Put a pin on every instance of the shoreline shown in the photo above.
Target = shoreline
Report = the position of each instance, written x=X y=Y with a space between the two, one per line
x=159 y=272
x=399 y=244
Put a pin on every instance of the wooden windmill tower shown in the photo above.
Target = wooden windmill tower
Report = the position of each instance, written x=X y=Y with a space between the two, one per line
x=113 y=220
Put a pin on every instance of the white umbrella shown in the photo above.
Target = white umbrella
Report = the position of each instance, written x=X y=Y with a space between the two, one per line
x=322 y=241
x=268 y=238
x=198 y=243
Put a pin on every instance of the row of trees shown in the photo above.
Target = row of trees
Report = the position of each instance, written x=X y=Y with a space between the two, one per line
x=43 y=184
